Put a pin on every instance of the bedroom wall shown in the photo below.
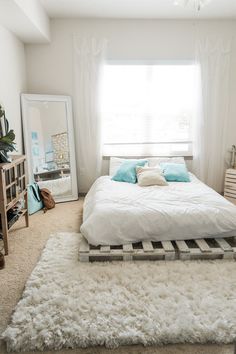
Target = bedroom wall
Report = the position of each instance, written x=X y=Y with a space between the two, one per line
x=12 y=79
x=50 y=66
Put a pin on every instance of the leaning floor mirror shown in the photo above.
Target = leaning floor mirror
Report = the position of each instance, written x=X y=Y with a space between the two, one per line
x=49 y=144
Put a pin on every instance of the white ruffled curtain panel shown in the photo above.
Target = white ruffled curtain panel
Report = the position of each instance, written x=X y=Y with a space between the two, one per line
x=210 y=140
x=89 y=55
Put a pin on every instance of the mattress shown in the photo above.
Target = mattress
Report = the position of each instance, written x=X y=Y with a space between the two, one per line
x=118 y=213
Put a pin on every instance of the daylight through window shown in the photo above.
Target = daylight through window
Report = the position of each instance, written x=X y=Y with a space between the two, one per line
x=148 y=109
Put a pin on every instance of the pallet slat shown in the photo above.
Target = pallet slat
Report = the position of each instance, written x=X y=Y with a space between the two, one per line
x=128 y=252
x=223 y=244
x=169 y=250
x=105 y=249
x=184 y=251
x=202 y=244
x=167 y=245
x=182 y=246
x=128 y=248
x=147 y=246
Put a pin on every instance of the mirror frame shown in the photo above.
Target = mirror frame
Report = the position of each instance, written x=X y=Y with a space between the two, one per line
x=25 y=100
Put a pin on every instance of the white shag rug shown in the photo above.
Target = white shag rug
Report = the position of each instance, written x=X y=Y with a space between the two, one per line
x=71 y=304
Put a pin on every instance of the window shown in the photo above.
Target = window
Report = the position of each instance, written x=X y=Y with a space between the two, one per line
x=148 y=109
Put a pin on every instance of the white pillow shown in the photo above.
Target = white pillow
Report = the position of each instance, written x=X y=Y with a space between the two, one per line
x=150 y=176
x=114 y=165
x=116 y=162
x=154 y=161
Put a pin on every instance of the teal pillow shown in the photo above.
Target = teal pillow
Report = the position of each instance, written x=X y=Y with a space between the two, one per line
x=127 y=171
x=175 y=172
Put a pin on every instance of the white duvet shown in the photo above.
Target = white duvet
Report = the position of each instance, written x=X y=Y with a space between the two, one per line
x=118 y=213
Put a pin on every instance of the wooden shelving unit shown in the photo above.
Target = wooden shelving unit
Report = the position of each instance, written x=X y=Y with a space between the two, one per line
x=230 y=185
x=13 y=191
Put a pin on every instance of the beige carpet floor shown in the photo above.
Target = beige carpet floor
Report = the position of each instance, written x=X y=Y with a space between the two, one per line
x=25 y=249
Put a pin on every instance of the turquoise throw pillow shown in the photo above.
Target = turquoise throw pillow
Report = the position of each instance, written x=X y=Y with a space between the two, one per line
x=127 y=171
x=175 y=172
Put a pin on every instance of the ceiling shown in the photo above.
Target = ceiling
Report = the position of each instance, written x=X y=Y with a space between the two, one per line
x=138 y=9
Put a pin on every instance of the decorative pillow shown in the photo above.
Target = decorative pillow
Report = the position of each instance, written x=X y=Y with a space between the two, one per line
x=175 y=172
x=116 y=162
x=127 y=171
x=150 y=176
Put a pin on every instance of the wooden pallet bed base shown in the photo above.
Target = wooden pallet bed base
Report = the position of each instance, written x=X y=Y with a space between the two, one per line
x=220 y=248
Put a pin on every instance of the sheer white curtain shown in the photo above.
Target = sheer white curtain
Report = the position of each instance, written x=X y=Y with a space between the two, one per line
x=89 y=54
x=210 y=145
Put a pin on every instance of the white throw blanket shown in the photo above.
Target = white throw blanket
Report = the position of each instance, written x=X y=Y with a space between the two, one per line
x=119 y=213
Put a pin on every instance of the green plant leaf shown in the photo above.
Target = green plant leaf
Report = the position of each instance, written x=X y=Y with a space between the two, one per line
x=9 y=137
x=7 y=141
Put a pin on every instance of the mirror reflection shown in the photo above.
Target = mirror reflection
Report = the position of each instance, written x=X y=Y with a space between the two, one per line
x=48 y=136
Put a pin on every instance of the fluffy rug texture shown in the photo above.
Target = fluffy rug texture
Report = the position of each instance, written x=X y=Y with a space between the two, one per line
x=71 y=304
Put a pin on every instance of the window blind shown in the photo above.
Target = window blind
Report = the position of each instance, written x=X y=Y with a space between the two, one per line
x=148 y=109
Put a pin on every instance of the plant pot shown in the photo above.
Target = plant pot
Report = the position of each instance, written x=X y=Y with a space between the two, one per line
x=4 y=157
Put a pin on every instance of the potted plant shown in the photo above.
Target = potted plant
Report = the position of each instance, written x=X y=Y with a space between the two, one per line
x=7 y=137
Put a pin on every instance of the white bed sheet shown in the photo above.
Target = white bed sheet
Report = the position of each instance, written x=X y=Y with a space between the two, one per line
x=118 y=213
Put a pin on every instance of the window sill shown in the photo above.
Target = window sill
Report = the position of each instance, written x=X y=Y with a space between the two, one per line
x=186 y=156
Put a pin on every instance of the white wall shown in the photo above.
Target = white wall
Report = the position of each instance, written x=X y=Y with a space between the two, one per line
x=12 y=79
x=50 y=66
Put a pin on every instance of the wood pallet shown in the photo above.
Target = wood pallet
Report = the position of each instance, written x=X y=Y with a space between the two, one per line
x=164 y=250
